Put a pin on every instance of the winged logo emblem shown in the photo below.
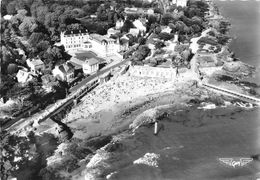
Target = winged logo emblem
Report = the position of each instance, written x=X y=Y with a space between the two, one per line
x=235 y=162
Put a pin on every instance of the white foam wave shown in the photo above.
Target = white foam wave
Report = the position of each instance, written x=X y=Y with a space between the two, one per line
x=98 y=158
x=109 y=175
x=150 y=159
x=207 y=106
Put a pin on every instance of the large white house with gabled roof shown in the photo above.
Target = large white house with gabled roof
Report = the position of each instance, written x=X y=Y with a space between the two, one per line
x=64 y=72
x=103 y=45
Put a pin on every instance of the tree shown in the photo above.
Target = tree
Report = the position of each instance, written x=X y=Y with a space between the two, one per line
x=186 y=30
x=11 y=8
x=101 y=13
x=7 y=35
x=21 y=14
x=141 y=53
x=180 y=26
x=159 y=45
x=35 y=38
x=54 y=56
x=167 y=18
x=74 y=26
x=6 y=84
x=196 y=28
x=43 y=46
x=127 y=25
x=180 y=48
x=28 y=25
x=186 y=54
x=165 y=36
x=12 y=69
x=172 y=26
x=41 y=13
x=197 y=20
x=158 y=10
x=87 y=9
x=141 y=40
x=20 y=92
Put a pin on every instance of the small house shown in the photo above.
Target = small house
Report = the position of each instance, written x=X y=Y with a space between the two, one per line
x=91 y=66
x=119 y=24
x=140 y=25
x=64 y=72
x=23 y=76
x=35 y=65
x=124 y=43
x=134 y=32
x=112 y=31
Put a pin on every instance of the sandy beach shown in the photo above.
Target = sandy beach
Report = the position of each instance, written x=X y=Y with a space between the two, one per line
x=107 y=107
x=121 y=104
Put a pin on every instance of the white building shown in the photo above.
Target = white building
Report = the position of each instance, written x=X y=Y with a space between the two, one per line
x=152 y=72
x=103 y=45
x=176 y=38
x=124 y=43
x=35 y=65
x=119 y=24
x=181 y=3
x=23 y=76
x=112 y=31
x=91 y=66
x=166 y=29
x=134 y=31
x=64 y=72
x=140 y=26
x=74 y=39
x=150 y=11
x=131 y=10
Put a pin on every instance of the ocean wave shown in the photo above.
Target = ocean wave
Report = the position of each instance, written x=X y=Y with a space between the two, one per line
x=96 y=166
x=111 y=174
x=98 y=159
x=207 y=106
x=149 y=159
x=226 y=104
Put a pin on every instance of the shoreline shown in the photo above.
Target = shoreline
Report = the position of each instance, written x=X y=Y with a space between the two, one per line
x=90 y=120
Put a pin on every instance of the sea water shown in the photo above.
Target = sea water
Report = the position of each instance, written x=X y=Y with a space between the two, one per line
x=190 y=143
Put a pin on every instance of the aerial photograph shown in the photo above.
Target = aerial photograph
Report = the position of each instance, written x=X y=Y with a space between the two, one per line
x=130 y=90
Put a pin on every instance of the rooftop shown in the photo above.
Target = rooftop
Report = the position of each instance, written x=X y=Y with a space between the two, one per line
x=75 y=31
x=101 y=38
x=82 y=56
x=35 y=62
x=92 y=61
x=66 y=68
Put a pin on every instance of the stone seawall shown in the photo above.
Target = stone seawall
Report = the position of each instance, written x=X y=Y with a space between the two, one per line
x=155 y=72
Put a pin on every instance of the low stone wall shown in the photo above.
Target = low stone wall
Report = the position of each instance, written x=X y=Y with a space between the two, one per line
x=153 y=72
